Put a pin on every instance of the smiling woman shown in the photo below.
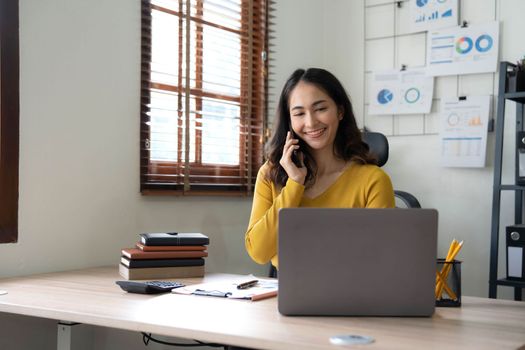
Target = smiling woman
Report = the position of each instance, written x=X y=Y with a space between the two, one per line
x=333 y=166
x=9 y=120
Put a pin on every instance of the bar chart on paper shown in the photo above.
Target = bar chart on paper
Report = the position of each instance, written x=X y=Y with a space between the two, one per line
x=464 y=131
x=426 y=15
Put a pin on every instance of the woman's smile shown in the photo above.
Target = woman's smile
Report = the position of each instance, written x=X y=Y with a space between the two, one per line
x=315 y=134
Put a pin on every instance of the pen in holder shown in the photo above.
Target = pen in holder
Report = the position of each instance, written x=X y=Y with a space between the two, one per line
x=448 y=283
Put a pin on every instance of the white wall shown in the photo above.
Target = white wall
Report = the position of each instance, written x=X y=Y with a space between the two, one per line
x=79 y=142
x=343 y=48
x=298 y=43
x=314 y=33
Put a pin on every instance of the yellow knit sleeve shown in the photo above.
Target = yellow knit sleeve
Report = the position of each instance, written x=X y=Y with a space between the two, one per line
x=261 y=236
x=380 y=192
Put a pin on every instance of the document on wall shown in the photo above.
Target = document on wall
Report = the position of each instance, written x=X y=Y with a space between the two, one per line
x=473 y=49
x=400 y=92
x=433 y=14
x=464 y=126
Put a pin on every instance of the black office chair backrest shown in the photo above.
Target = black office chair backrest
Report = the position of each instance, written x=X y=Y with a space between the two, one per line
x=378 y=144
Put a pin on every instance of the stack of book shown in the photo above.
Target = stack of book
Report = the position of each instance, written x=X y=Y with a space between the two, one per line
x=165 y=255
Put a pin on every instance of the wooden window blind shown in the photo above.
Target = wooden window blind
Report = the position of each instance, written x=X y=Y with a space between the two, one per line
x=203 y=93
x=9 y=120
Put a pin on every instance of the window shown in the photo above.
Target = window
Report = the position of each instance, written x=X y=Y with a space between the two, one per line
x=203 y=95
x=9 y=110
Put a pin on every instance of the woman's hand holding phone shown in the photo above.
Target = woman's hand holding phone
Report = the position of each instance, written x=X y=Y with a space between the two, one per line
x=291 y=150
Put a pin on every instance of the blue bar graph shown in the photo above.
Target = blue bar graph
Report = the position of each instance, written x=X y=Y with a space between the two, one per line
x=447 y=13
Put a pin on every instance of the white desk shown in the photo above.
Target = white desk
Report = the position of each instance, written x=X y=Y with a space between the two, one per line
x=91 y=296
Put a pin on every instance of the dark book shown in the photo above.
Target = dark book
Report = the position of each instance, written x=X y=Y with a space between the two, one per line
x=137 y=254
x=154 y=273
x=174 y=239
x=160 y=262
x=162 y=248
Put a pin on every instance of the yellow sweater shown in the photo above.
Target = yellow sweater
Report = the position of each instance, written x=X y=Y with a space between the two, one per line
x=359 y=186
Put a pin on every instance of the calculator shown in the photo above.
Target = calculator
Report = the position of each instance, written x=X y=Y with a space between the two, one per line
x=149 y=287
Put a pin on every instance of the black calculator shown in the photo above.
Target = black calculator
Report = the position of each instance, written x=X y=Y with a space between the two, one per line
x=149 y=287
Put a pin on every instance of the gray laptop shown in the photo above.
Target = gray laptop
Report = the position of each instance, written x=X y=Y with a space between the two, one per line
x=357 y=262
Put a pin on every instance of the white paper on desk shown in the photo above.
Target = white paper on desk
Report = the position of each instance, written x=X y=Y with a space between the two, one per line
x=263 y=289
x=464 y=126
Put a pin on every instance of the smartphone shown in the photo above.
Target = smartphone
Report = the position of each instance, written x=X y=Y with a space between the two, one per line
x=295 y=154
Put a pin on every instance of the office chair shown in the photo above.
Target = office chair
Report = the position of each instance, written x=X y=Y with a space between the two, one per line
x=378 y=144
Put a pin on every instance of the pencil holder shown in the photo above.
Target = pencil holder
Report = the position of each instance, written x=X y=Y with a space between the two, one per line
x=448 y=283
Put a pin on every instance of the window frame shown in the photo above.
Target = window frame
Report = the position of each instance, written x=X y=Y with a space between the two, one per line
x=207 y=171
x=9 y=120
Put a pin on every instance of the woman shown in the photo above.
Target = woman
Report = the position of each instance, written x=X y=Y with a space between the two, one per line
x=316 y=158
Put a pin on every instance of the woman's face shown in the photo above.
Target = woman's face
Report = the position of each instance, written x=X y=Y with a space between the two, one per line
x=314 y=116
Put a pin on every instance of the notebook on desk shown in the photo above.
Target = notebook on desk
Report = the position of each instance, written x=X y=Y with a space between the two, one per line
x=357 y=262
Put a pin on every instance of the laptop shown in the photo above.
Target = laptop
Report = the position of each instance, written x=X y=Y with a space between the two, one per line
x=357 y=262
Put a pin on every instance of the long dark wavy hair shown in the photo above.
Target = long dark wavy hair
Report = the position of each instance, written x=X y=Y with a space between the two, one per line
x=348 y=144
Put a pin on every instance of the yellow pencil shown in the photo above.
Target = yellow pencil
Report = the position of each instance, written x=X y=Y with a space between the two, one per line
x=447 y=268
x=450 y=250
x=449 y=291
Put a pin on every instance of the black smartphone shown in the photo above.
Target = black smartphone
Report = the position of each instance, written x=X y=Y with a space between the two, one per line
x=295 y=154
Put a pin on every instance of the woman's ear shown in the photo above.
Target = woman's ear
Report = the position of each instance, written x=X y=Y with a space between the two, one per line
x=340 y=112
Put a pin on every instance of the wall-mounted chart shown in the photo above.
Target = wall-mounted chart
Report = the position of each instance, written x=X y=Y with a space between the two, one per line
x=412 y=95
x=400 y=92
x=461 y=50
x=464 y=126
x=385 y=96
x=433 y=14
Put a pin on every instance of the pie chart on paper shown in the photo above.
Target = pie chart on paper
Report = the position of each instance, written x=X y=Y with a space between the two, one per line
x=463 y=45
x=453 y=119
x=412 y=95
x=484 y=43
x=385 y=96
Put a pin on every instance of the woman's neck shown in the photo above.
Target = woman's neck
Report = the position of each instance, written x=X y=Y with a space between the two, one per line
x=327 y=162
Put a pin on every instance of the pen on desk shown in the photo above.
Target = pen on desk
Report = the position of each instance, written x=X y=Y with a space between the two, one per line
x=248 y=284
x=211 y=293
